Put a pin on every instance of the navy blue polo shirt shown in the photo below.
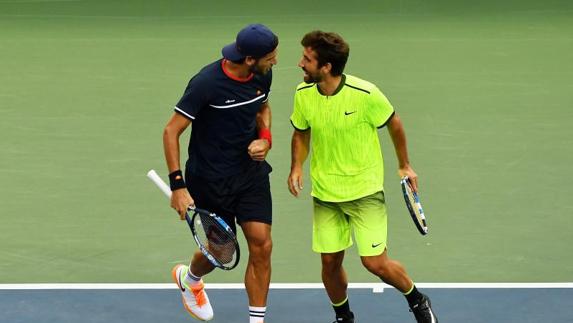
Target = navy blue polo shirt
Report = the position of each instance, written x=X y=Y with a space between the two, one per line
x=222 y=110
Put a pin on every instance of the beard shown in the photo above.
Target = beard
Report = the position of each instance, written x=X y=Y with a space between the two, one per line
x=310 y=78
x=258 y=69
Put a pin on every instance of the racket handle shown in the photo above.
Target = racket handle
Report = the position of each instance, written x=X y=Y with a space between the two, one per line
x=152 y=175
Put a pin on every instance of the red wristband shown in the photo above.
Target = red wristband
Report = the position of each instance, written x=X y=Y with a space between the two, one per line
x=265 y=133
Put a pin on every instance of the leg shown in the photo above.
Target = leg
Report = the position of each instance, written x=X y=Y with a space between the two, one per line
x=205 y=194
x=334 y=276
x=331 y=236
x=390 y=271
x=254 y=214
x=258 y=273
x=336 y=285
x=369 y=220
x=368 y=217
x=200 y=266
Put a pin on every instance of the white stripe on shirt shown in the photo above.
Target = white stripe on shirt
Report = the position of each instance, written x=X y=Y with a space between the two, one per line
x=237 y=104
x=184 y=113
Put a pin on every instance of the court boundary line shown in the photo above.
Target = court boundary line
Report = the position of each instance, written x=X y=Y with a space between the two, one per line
x=376 y=287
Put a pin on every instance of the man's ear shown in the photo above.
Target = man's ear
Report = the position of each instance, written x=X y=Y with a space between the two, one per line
x=250 y=61
x=326 y=68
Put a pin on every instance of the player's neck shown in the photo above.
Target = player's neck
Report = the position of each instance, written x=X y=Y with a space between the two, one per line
x=236 y=71
x=329 y=85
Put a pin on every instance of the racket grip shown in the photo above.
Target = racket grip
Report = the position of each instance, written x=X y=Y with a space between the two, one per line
x=154 y=177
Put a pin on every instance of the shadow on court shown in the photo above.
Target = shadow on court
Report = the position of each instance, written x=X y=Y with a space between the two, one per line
x=285 y=306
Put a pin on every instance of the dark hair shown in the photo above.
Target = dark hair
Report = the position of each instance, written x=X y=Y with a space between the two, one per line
x=329 y=48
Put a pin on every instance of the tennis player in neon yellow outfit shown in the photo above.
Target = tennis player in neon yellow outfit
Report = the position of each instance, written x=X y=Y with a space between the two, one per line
x=339 y=115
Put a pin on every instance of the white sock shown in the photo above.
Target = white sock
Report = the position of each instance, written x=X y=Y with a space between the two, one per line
x=257 y=314
x=190 y=279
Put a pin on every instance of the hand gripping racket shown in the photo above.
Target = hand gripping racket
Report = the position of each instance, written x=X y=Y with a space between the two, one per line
x=414 y=206
x=213 y=235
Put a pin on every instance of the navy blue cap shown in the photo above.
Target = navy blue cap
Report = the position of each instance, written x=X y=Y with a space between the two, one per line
x=255 y=40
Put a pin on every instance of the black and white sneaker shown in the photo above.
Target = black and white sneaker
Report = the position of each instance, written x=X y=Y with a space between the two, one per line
x=423 y=311
x=345 y=319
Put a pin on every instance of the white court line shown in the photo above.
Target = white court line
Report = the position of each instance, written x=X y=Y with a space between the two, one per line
x=376 y=287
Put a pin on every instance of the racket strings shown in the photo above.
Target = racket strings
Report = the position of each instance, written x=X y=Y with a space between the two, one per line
x=413 y=203
x=218 y=241
x=414 y=206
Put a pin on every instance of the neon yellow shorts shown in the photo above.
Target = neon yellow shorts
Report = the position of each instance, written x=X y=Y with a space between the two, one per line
x=333 y=222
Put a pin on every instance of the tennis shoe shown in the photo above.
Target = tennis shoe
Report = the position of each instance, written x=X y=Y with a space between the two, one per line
x=194 y=298
x=423 y=311
x=345 y=319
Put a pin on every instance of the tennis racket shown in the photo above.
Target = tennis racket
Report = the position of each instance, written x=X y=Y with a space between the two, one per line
x=213 y=235
x=414 y=206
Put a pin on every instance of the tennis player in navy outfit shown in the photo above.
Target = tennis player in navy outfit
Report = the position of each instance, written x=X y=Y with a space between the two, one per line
x=227 y=106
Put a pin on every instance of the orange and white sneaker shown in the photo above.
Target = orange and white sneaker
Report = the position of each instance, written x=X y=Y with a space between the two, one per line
x=194 y=298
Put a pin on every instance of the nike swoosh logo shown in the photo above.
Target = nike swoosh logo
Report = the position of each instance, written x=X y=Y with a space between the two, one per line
x=376 y=245
x=348 y=113
x=180 y=284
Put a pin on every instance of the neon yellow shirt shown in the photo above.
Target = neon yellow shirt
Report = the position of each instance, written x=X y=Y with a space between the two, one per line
x=346 y=162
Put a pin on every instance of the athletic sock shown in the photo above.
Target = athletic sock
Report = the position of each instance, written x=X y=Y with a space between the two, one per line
x=190 y=279
x=413 y=296
x=342 y=309
x=257 y=314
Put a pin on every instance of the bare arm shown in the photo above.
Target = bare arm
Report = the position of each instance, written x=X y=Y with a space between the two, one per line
x=300 y=146
x=173 y=130
x=264 y=116
x=398 y=135
x=259 y=148
x=180 y=199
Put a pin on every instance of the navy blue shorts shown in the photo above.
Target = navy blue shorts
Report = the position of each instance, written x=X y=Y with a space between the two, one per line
x=243 y=197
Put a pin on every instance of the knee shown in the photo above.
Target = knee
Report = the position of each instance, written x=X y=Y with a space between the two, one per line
x=375 y=265
x=331 y=263
x=261 y=249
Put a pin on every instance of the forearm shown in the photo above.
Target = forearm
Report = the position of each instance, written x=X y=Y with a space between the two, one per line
x=264 y=117
x=398 y=135
x=173 y=130
x=180 y=199
x=300 y=147
x=171 y=149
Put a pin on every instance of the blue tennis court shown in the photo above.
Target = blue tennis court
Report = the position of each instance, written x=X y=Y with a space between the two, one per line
x=506 y=304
